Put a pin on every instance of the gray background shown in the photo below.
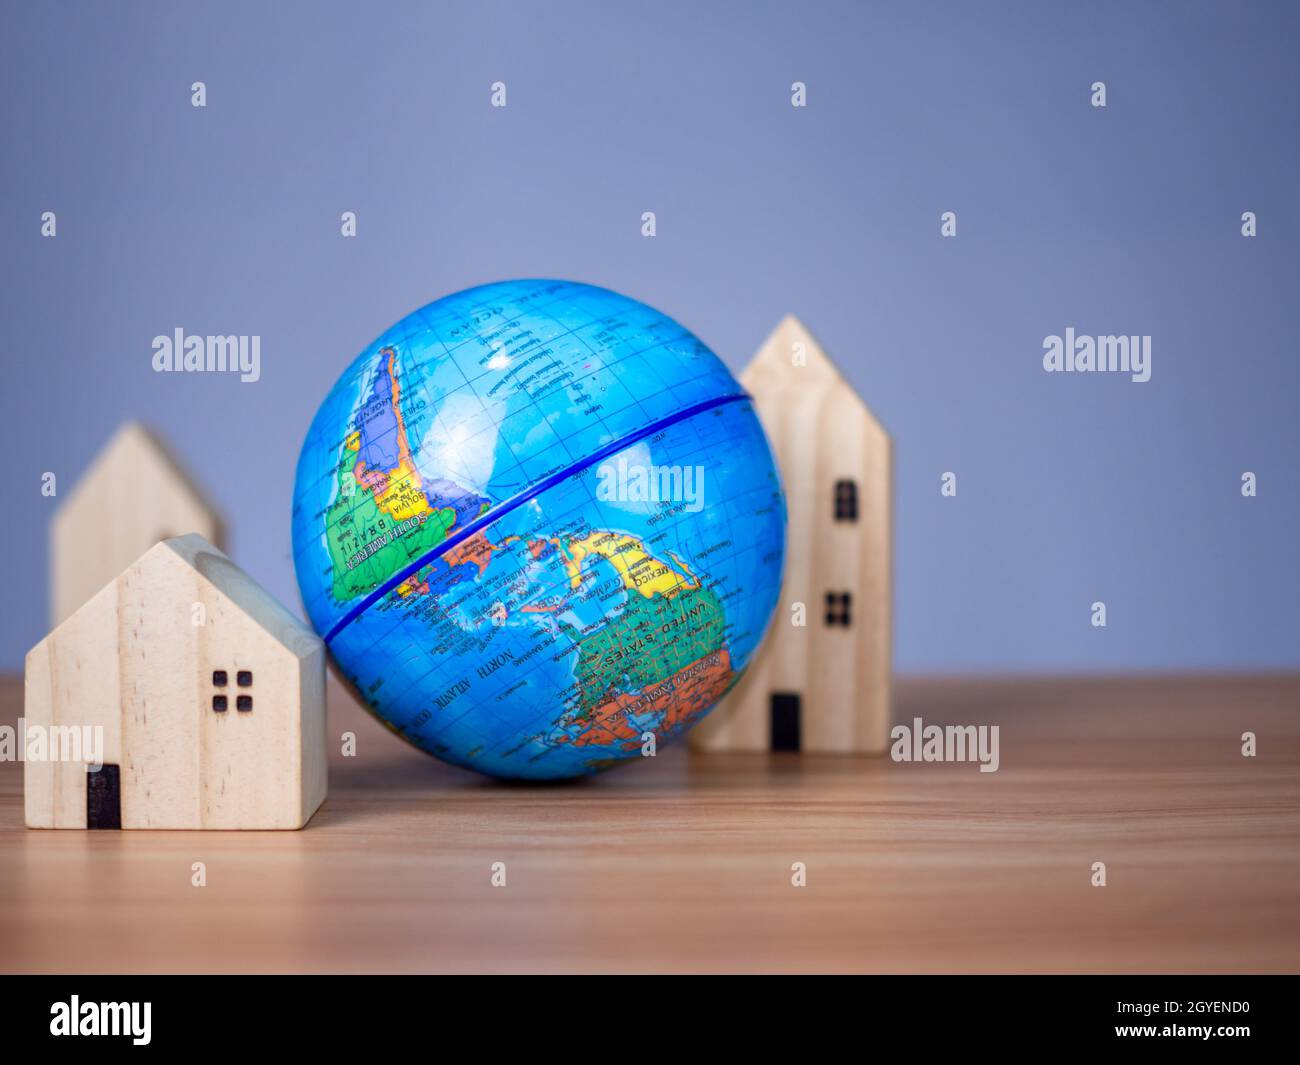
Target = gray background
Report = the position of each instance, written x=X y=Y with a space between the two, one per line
x=1123 y=220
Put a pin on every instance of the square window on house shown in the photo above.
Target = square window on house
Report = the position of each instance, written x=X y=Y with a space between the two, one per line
x=244 y=678
x=838 y=609
x=219 y=678
x=846 y=501
x=244 y=703
x=219 y=704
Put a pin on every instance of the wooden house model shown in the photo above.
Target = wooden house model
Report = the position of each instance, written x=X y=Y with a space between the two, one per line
x=133 y=495
x=823 y=685
x=200 y=695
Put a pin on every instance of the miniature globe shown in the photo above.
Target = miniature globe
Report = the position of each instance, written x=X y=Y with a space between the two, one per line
x=539 y=527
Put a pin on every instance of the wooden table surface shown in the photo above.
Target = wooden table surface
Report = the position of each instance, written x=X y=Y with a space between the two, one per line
x=684 y=863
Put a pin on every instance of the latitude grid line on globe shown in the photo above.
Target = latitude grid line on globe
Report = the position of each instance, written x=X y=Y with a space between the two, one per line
x=396 y=622
x=514 y=502
x=530 y=397
x=532 y=400
x=544 y=712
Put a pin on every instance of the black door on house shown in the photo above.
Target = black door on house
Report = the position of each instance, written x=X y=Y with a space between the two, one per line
x=103 y=797
x=785 y=721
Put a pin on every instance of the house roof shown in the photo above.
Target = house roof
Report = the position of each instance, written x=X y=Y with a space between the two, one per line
x=774 y=368
x=135 y=442
x=174 y=557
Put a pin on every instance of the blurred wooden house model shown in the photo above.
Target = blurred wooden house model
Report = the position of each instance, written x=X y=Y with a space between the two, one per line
x=133 y=495
x=823 y=685
x=201 y=698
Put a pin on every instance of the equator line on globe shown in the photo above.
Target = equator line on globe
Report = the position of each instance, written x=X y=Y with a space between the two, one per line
x=523 y=497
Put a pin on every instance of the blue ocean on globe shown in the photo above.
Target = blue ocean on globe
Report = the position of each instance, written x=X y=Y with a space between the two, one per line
x=537 y=524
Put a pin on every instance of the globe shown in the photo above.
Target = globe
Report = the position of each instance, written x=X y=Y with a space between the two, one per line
x=539 y=528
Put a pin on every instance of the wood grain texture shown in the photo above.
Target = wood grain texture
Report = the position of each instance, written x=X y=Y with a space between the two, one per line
x=133 y=663
x=133 y=494
x=821 y=433
x=683 y=864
